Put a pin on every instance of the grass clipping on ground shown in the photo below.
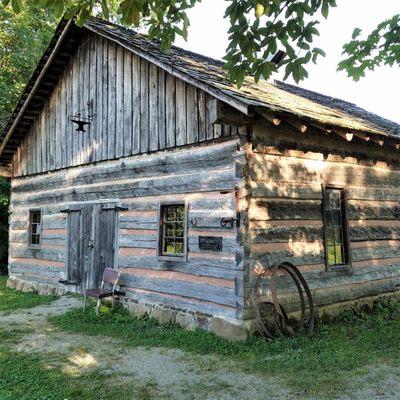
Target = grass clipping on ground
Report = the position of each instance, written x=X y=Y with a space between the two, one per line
x=321 y=365
x=11 y=299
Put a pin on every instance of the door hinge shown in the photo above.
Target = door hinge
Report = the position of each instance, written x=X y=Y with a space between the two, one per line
x=68 y=210
x=115 y=208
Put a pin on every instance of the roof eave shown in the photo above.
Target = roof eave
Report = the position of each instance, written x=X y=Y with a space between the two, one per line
x=32 y=92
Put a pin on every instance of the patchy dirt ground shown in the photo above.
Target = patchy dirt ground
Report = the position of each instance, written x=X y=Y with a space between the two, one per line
x=172 y=374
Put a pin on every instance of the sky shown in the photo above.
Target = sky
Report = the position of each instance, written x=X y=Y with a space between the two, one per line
x=377 y=92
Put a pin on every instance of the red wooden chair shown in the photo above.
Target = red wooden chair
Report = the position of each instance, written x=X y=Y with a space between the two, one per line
x=111 y=277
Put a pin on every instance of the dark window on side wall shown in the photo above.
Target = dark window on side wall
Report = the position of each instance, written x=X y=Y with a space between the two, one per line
x=335 y=228
x=172 y=231
x=35 y=227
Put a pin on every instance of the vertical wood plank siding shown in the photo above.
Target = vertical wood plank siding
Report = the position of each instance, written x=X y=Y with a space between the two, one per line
x=204 y=177
x=286 y=222
x=138 y=108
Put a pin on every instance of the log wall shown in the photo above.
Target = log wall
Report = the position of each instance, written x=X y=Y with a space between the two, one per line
x=203 y=176
x=138 y=108
x=283 y=203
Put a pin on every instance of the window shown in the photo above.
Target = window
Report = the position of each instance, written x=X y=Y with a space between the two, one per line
x=172 y=232
x=35 y=227
x=335 y=229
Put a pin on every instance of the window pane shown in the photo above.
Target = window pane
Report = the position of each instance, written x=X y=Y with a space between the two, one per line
x=180 y=212
x=179 y=247
x=169 y=229
x=337 y=217
x=339 y=254
x=338 y=236
x=35 y=239
x=334 y=227
x=34 y=227
x=331 y=255
x=334 y=199
x=36 y=217
x=170 y=213
x=179 y=228
x=173 y=230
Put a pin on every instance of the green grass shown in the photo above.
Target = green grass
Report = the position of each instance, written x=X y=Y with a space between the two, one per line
x=37 y=377
x=321 y=365
x=11 y=299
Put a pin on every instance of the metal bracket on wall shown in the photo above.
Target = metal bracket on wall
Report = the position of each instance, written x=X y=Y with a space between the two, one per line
x=115 y=208
x=229 y=221
x=67 y=210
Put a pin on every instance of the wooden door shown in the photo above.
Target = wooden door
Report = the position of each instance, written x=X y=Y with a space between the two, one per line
x=105 y=238
x=91 y=243
x=74 y=246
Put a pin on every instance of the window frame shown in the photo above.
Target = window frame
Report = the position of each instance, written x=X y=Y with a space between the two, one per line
x=345 y=226
x=35 y=245
x=160 y=255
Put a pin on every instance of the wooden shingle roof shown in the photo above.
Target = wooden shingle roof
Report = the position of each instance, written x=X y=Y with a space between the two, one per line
x=281 y=99
x=276 y=96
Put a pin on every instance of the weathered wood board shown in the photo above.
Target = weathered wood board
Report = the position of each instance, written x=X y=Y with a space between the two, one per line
x=137 y=108
x=285 y=222
x=204 y=177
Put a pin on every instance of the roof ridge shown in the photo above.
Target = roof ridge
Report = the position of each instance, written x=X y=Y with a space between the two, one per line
x=157 y=42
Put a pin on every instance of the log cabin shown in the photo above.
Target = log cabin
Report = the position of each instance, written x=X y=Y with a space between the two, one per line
x=121 y=155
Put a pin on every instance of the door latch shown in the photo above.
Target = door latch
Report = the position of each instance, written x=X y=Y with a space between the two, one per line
x=90 y=244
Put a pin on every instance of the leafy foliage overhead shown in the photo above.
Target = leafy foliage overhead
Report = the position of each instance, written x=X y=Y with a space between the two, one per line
x=23 y=39
x=258 y=28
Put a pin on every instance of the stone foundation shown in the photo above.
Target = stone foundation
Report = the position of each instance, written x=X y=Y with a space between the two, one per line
x=44 y=289
x=230 y=328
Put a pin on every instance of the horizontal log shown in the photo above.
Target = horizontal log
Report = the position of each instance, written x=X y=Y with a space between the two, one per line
x=179 y=276
x=27 y=262
x=203 y=158
x=39 y=254
x=199 y=291
x=374 y=233
x=312 y=234
x=273 y=168
x=264 y=209
x=214 y=267
x=314 y=191
x=286 y=223
x=286 y=234
x=395 y=223
x=301 y=253
x=326 y=157
x=180 y=302
x=383 y=211
x=39 y=271
x=337 y=294
x=185 y=183
x=323 y=280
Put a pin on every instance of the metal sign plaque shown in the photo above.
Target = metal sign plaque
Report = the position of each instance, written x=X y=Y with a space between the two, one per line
x=213 y=243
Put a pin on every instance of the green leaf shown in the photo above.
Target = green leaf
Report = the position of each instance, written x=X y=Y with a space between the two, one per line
x=319 y=51
x=325 y=9
x=16 y=6
x=59 y=8
x=356 y=33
